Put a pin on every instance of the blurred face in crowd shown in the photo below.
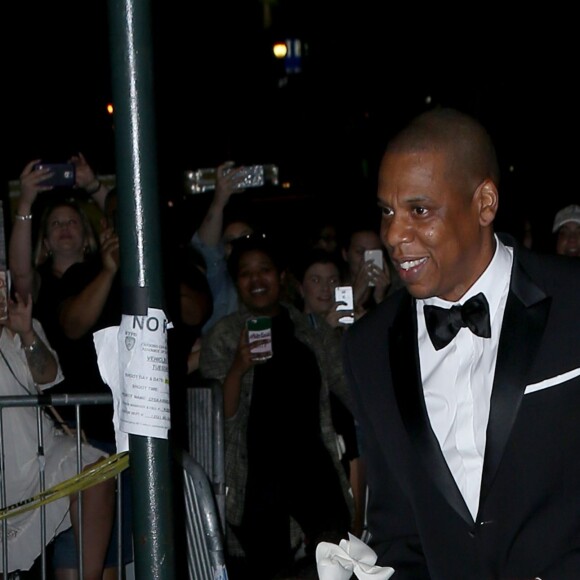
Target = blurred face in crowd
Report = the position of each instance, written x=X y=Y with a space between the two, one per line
x=234 y=231
x=317 y=287
x=435 y=226
x=361 y=241
x=64 y=231
x=259 y=283
x=568 y=242
x=327 y=238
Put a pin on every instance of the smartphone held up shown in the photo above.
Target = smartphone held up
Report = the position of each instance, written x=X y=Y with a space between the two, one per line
x=376 y=257
x=61 y=174
x=344 y=295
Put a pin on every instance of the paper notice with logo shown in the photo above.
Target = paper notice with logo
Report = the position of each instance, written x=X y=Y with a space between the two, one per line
x=133 y=361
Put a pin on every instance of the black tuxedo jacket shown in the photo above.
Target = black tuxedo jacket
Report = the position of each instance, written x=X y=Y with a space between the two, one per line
x=528 y=524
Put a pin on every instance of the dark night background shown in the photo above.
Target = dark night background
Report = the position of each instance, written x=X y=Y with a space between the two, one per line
x=368 y=67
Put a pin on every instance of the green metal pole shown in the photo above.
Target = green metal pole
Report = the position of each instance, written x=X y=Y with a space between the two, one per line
x=141 y=265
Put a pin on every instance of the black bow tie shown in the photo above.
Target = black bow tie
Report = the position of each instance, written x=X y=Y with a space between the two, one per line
x=443 y=324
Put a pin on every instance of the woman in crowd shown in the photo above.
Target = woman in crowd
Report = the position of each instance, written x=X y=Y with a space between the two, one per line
x=317 y=275
x=27 y=362
x=67 y=254
x=282 y=461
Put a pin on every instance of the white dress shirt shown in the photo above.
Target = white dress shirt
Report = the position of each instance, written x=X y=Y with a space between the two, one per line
x=458 y=379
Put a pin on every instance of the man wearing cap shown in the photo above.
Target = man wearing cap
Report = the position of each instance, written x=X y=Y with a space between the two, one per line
x=567 y=228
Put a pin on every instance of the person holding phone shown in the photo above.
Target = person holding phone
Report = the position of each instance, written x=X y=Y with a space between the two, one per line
x=366 y=269
x=317 y=273
x=67 y=253
x=214 y=236
x=282 y=465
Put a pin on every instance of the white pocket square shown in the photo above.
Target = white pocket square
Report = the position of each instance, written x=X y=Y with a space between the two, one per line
x=552 y=381
x=339 y=562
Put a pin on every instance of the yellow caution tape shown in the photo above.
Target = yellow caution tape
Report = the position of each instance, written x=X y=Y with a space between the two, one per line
x=98 y=472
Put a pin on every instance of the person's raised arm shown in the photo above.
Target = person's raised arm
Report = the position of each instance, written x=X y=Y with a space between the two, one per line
x=87 y=179
x=361 y=291
x=210 y=229
x=382 y=281
x=41 y=362
x=20 y=259
x=222 y=361
x=79 y=313
x=232 y=383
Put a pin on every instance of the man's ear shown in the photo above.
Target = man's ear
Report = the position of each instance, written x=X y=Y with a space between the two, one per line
x=487 y=199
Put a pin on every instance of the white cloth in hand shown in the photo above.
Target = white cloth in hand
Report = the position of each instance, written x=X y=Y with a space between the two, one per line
x=339 y=562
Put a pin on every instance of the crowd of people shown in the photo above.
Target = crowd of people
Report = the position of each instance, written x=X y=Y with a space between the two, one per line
x=63 y=253
x=356 y=422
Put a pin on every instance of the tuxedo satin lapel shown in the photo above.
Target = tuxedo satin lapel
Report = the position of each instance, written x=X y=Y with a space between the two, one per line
x=408 y=390
x=524 y=319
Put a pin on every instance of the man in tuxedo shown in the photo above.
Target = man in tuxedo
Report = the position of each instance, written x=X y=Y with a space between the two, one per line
x=467 y=380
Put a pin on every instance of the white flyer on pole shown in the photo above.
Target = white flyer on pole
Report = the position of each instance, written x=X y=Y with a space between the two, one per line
x=144 y=374
x=133 y=361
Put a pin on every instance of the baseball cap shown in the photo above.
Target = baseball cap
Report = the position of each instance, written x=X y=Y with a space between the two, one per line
x=570 y=213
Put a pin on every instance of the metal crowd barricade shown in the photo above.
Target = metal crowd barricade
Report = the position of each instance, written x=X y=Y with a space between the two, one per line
x=206 y=436
x=40 y=402
x=205 y=540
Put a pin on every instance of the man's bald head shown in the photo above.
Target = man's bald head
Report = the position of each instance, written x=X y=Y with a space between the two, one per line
x=461 y=138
